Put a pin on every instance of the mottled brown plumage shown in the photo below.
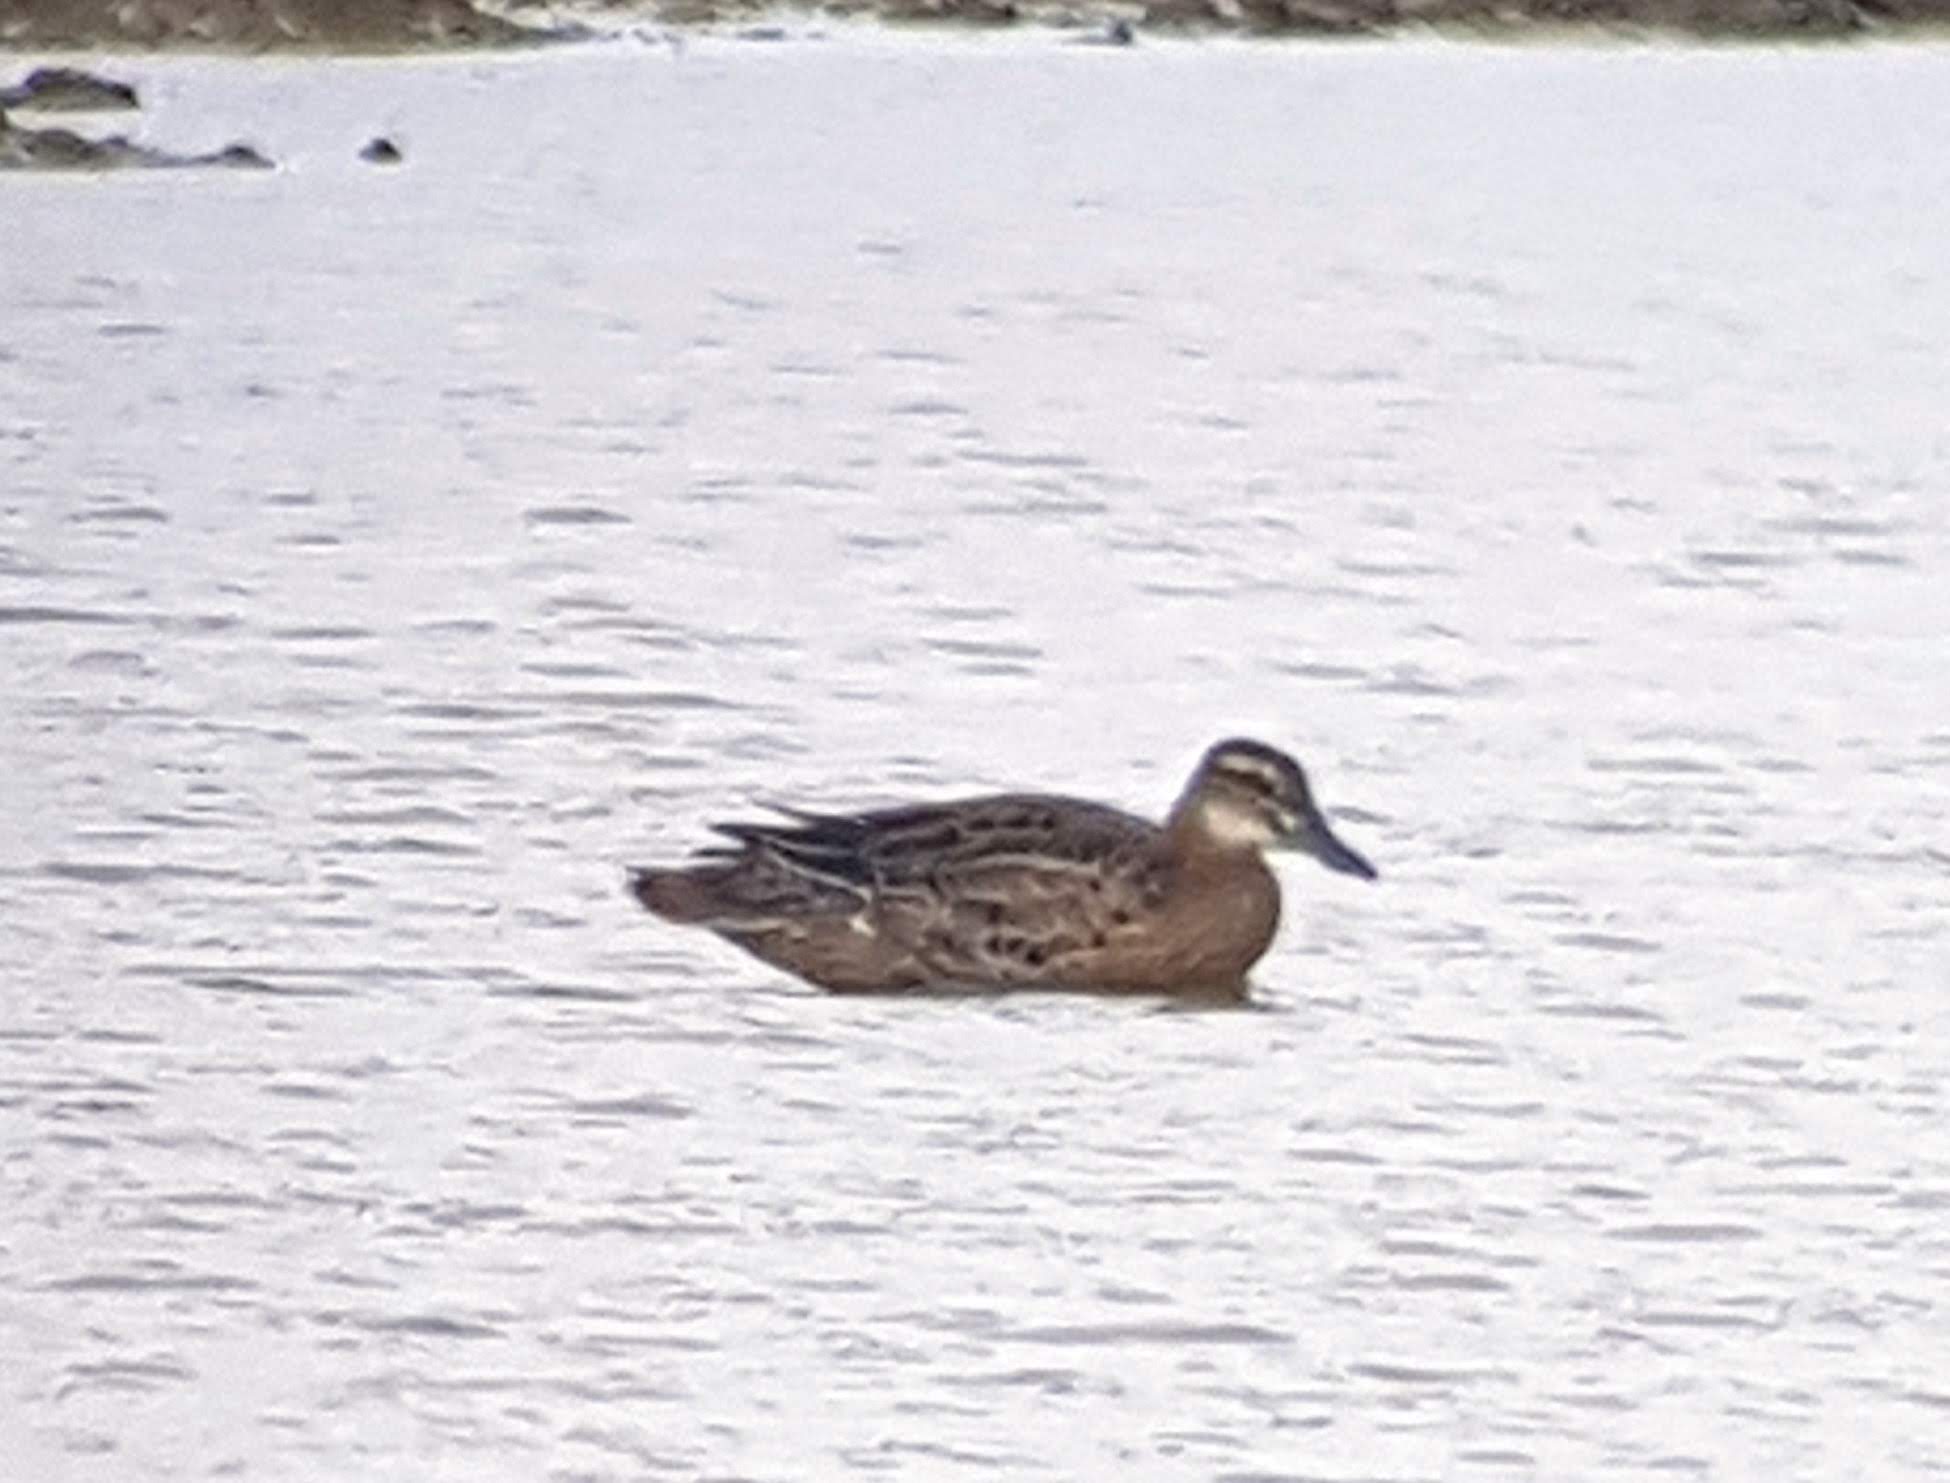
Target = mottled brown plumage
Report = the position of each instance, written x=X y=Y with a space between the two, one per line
x=1022 y=890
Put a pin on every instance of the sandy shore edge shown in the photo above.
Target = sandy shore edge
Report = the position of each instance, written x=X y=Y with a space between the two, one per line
x=385 y=26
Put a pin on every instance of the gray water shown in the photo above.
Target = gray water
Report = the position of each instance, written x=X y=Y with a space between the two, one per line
x=1548 y=445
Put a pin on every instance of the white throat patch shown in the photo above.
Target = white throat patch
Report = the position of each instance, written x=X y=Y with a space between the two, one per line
x=1234 y=823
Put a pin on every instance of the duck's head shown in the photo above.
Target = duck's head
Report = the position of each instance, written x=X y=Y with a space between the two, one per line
x=1247 y=795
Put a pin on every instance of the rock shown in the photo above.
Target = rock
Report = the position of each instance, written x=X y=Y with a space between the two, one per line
x=231 y=157
x=68 y=90
x=962 y=12
x=381 y=151
x=1319 y=17
x=1116 y=32
x=63 y=149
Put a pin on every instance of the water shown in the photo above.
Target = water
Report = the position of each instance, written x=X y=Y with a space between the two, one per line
x=1546 y=444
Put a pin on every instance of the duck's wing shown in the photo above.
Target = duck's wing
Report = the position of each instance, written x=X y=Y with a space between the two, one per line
x=888 y=849
x=1018 y=888
x=1012 y=889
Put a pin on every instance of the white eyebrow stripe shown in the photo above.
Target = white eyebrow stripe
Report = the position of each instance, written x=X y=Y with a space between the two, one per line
x=1243 y=766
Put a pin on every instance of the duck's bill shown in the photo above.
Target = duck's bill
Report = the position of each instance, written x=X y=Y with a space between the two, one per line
x=1313 y=837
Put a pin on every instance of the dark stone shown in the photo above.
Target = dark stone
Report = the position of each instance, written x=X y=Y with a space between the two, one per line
x=381 y=151
x=63 y=149
x=1112 y=33
x=231 y=156
x=68 y=90
x=962 y=12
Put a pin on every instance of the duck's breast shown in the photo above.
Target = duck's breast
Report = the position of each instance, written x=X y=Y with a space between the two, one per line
x=1217 y=919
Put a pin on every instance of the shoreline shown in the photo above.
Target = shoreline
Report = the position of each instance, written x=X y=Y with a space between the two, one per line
x=396 y=27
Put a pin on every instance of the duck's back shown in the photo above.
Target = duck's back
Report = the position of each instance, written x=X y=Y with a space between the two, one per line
x=1016 y=889
x=1031 y=831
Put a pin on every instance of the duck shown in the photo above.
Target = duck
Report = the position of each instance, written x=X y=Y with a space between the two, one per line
x=1015 y=890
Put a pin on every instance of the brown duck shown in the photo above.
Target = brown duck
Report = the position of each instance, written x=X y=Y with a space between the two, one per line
x=1021 y=890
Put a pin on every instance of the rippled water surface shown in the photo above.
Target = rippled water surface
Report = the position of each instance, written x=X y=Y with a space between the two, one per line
x=1550 y=446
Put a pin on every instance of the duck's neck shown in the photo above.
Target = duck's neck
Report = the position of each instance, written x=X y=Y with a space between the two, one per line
x=1198 y=831
x=1222 y=897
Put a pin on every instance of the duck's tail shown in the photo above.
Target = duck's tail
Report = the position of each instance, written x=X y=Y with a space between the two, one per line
x=752 y=888
x=678 y=895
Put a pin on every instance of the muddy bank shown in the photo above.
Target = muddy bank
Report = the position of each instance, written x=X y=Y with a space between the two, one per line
x=1732 y=18
x=418 y=25
x=258 y=25
x=1121 y=21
